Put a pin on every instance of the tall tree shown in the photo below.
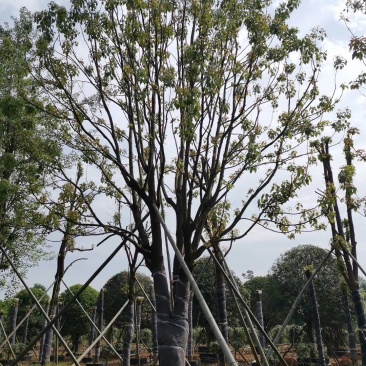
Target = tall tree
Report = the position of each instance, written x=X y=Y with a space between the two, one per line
x=29 y=146
x=67 y=215
x=36 y=319
x=204 y=272
x=272 y=300
x=171 y=101
x=340 y=215
x=81 y=327
x=116 y=292
x=121 y=287
x=316 y=319
x=288 y=277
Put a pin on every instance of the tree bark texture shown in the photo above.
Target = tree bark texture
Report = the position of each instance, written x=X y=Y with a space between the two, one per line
x=13 y=320
x=190 y=329
x=172 y=327
x=259 y=309
x=361 y=322
x=351 y=333
x=44 y=336
x=154 y=323
x=100 y=324
x=222 y=310
x=317 y=326
x=47 y=346
x=25 y=340
x=139 y=301
x=127 y=341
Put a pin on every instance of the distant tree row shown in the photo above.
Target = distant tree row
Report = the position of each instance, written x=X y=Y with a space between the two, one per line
x=279 y=290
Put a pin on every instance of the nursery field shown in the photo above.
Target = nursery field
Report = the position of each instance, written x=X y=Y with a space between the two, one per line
x=201 y=357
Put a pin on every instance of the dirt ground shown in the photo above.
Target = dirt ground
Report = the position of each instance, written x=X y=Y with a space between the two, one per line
x=242 y=358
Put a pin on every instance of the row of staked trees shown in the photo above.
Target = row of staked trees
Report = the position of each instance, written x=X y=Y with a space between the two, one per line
x=193 y=112
x=280 y=288
x=116 y=292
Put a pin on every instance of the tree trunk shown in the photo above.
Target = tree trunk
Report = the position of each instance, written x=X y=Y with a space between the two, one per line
x=47 y=346
x=25 y=340
x=259 y=308
x=92 y=331
x=139 y=301
x=351 y=334
x=316 y=319
x=344 y=231
x=221 y=305
x=57 y=325
x=13 y=320
x=77 y=343
x=129 y=332
x=154 y=327
x=44 y=336
x=172 y=327
x=361 y=322
x=100 y=324
x=190 y=329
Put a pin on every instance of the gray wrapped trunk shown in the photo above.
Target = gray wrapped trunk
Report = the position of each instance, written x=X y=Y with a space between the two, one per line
x=129 y=332
x=154 y=323
x=221 y=306
x=172 y=326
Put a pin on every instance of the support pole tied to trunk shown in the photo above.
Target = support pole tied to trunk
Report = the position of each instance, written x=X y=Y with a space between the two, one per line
x=219 y=337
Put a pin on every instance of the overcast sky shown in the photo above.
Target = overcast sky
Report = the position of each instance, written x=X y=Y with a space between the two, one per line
x=260 y=248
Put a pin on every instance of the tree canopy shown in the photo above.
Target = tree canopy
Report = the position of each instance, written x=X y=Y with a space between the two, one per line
x=28 y=148
x=174 y=110
x=199 y=113
x=36 y=319
x=116 y=293
x=288 y=278
x=204 y=273
x=177 y=104
x=69 y=325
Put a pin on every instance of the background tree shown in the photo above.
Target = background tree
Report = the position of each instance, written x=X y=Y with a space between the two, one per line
x=204 y=273
x=81 y=327
x=36 y=319
x=67 y=216
x=116 y=291
x=271 y=299
x=340 y=211
x=315 y=314
x=171 y=105
x=288 y=275
x=29 y=146
x=357 y=45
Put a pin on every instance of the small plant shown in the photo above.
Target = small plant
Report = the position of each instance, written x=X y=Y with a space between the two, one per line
x=284 y=336
x=197 y=334
x=16 y=348
x=214 y=347
x=106 y=353
x=306 y=350
x=273 y=360
x=237 y=337
x=146 y=337
x=295 y=333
